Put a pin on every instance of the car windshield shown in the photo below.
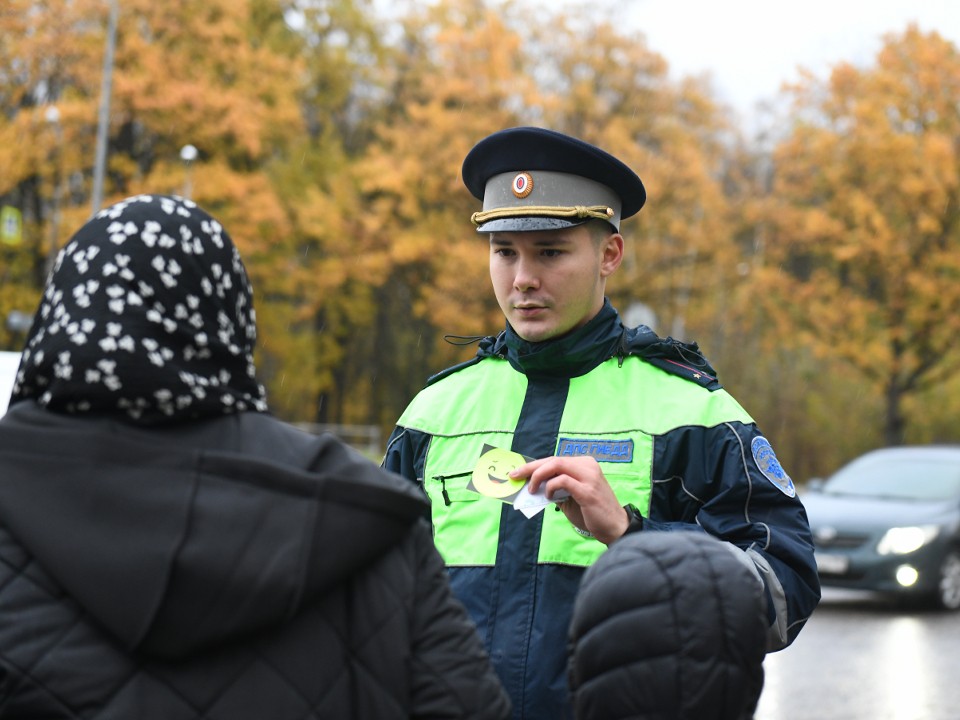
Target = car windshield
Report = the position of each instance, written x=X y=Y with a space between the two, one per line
x=907 y=477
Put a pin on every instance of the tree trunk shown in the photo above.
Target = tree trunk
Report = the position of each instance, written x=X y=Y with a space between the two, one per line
x=895 y=424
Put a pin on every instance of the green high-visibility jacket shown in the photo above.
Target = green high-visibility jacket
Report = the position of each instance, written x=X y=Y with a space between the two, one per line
x=668 y=439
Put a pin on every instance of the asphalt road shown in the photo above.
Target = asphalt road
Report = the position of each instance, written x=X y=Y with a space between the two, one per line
x=863 y=658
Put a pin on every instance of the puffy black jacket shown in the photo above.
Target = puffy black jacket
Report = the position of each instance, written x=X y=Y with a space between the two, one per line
x=668 y=626
x=281 y=576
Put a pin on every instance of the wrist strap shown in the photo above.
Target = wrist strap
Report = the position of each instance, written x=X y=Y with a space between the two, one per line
x=635 y=518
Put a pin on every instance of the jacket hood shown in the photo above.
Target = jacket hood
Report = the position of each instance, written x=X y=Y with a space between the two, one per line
x=174 y=549
x=668 y=625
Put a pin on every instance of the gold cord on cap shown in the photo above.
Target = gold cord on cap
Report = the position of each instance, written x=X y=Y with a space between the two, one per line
x=601 y=212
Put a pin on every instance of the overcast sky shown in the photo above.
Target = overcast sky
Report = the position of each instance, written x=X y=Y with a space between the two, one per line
x=749 y=47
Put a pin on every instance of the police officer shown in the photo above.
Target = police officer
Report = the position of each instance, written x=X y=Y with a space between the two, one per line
x=623 y=430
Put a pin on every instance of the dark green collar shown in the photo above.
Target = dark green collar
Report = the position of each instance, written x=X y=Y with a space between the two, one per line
x=580 y=351
x=576 y=353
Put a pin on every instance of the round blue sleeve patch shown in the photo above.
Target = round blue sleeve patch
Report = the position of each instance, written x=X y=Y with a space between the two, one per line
x=771 y=468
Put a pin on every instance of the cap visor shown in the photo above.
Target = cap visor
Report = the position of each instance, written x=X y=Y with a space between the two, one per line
x=530 y=224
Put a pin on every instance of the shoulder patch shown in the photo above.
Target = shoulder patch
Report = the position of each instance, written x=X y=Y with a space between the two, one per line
x=770 y=467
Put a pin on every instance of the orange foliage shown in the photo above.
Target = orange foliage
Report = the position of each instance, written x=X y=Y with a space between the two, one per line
x=333 y=157
x=864 y=219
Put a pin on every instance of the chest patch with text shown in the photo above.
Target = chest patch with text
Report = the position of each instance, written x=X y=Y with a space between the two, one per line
x=618 y=451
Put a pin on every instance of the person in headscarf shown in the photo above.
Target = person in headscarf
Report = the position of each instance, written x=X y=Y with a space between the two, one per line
x=168 y=548
x=668 y=626
x=148 y=314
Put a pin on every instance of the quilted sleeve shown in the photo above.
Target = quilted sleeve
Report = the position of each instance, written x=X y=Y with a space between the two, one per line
x=451 y=673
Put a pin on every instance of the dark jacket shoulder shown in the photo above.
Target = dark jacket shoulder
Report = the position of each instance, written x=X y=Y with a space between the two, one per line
x=175 y=575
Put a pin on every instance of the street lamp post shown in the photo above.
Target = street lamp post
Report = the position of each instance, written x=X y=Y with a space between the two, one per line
x=188 y=153
x=103 y=120
x=52 y=116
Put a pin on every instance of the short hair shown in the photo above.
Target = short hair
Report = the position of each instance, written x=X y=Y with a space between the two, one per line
x=600 y=230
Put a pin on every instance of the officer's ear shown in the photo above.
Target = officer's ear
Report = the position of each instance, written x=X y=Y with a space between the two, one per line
x=611 y=249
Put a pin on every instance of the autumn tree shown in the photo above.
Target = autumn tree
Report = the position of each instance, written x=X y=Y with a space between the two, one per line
x=217 y=75
x=318 y=338
x=466 y=68
x=861 y=252
x=330 y=138
x=47 y=81
x=222 y=76
x=451 y=78
x=603 y=83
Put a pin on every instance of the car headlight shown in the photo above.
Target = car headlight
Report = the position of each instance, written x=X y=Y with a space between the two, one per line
x=903 y=540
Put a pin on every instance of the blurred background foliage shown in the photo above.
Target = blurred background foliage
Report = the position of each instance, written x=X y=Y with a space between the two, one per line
x=817 y=264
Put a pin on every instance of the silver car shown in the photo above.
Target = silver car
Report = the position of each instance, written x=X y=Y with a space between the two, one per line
x=889 y=522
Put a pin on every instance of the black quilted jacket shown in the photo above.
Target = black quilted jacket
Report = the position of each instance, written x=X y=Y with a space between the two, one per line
x=668 y=626
x=282 y=577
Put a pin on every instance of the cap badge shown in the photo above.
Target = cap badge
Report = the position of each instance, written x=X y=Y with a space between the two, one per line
x=522 y=185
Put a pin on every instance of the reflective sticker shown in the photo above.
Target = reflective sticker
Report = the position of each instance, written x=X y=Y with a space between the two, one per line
x=771 y=468
x=491 y=476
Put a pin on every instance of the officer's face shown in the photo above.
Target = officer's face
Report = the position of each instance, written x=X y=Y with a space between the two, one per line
x=551 y=282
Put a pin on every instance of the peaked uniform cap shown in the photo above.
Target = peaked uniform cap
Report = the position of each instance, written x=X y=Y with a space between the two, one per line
x=532 y=178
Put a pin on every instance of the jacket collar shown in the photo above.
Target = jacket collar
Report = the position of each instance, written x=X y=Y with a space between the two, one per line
x=571 y=355
x=582 y=350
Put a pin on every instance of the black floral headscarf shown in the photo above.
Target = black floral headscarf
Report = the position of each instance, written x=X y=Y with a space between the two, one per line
x=148 y=313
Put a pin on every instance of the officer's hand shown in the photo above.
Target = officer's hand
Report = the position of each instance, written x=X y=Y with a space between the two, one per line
x=592 y=506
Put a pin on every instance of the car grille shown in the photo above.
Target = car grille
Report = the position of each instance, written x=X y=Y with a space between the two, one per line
x=840 y=542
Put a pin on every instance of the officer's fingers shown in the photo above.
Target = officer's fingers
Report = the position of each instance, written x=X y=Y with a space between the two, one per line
x=592 y=474
x=561 y=486
x=544 y=470
x=561 y=477
x=584 y=468
x=573 y=513
x=527 y=469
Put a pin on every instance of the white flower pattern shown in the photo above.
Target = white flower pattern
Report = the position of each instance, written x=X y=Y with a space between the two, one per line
x=134 y=321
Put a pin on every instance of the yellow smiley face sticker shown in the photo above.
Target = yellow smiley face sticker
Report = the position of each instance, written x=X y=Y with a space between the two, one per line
x=491 y=474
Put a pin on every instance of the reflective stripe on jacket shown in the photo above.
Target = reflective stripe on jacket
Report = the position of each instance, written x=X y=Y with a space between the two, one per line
x=484 y=403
